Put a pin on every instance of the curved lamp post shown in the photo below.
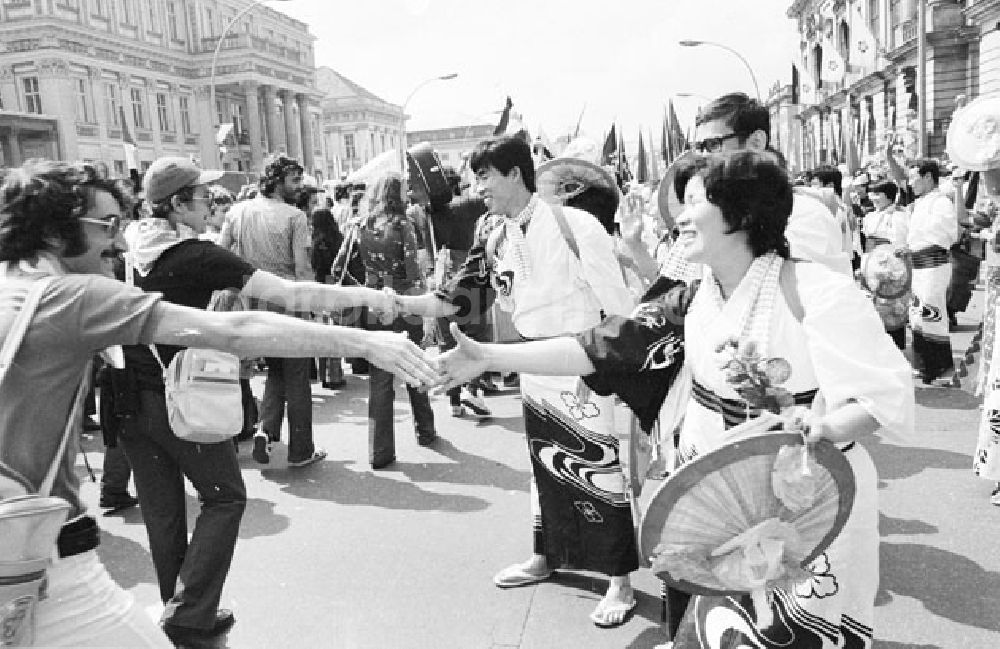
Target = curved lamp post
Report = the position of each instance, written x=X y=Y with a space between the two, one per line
x=753 y=77
x=215 y=57
x=402 y=118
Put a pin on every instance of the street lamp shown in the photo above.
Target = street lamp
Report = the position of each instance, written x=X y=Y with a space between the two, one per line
x=402 y=118
x=753 y=77
x=215 y=58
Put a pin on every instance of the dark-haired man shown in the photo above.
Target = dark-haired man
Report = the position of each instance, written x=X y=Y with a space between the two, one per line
x=273 y=235
x=736 y=121
x=555 y=269
x=933 y=228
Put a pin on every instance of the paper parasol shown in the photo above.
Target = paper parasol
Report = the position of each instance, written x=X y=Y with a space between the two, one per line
x=715 y=498
x=666 y=199
x=973 y=140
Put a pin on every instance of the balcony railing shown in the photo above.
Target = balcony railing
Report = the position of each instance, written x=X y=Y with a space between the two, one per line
x=245 y=41
x=86 y=130
x=904 y=32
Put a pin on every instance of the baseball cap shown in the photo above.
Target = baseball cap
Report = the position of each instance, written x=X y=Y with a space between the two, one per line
x=167 y=176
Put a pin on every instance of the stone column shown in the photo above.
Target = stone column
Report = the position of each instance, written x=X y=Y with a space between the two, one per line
x=291 y=125
x=57 y=100
x=275 y=131
x=253 y=126
x=203 y=123
x=305 y=120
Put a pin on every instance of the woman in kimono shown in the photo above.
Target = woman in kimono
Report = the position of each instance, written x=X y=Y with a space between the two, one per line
x=736 y=209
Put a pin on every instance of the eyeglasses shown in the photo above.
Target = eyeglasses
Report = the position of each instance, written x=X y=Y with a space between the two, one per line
x=110 y=224
x=713 y=144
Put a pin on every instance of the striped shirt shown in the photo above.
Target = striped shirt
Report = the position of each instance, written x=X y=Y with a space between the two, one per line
x=266 y=232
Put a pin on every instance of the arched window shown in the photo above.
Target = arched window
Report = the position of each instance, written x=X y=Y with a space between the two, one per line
x=844 y=37
x=817 y=60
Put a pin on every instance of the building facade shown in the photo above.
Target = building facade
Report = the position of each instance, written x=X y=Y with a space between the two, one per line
x=984 y=17
x=356 y=124
x=104 y=70
x=857 y=77
x=453 y=144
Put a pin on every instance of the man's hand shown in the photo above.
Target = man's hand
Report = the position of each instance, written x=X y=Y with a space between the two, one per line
x=463 y=363
x=395 y=353
x=631 y=219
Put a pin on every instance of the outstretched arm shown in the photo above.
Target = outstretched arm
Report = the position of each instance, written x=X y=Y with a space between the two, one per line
x=312 y=296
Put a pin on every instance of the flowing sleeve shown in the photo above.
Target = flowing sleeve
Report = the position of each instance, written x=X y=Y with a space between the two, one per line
x=852 y=356
x=470 y=288
x=638 y=358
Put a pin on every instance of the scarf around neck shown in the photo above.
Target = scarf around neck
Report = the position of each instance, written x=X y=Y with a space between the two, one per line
x=149 y=238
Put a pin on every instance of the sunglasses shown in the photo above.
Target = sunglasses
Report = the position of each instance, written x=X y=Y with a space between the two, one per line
x=110 y=224
x=713 y=144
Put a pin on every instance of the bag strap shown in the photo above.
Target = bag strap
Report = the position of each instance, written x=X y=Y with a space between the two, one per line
x=567 y=232
x=10 y=346
x=790 y=288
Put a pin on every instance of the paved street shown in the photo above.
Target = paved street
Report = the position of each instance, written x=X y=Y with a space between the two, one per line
x=338 y=556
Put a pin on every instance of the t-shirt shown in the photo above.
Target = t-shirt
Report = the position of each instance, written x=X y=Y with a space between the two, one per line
x=185 y=274
x=267 y=232
x=77 y=316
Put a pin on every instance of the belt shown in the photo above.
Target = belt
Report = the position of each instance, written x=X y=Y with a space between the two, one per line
x=737 y=411
x=78 y=536
x=929 y=257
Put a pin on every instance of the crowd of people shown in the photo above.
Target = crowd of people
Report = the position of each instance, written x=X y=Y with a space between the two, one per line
x=608 y=300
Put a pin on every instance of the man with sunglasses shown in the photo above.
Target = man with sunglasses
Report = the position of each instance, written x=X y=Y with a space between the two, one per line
x=58 y=224
x=736 y=121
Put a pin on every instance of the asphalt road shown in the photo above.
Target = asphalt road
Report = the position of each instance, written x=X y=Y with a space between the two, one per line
x=338 y=556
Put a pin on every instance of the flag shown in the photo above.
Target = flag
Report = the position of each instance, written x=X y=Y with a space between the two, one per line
x=610 y=147
x=131 y=151
x=576 y=132
x=664 y=143
x=806 y=79
x=654 y=164
x=864 y=45
x=676 y=142
x=504 y=118
x=623 y=170
x=642 y=169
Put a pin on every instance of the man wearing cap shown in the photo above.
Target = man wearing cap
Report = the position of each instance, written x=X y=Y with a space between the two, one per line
x=168 y=258
x=272 y=234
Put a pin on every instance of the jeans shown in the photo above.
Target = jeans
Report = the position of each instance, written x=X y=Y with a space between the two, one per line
x=287 y=382
x=85 y=608
x=190 y=573
x=381 y=435
x=330 y=370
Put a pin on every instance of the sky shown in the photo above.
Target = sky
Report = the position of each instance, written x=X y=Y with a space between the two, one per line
x=611 y=60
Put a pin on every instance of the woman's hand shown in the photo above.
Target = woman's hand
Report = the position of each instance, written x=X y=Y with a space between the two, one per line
x=395 y=353
x=463 y=363
x=631 y=219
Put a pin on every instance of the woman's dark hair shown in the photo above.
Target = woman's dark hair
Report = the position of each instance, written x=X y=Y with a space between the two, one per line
x=926 y=166
x=886 y=187
x=43 y=200
x=601 y=203
x=163 y=208
x=276 y=168
x=829 y=175
x=503 y=153
x=751 y=189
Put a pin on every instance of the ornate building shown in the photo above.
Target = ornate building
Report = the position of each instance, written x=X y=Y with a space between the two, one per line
x=984 y=16
x=857 y=76
x=108 y=69
x=453 y=143
x=357 y=125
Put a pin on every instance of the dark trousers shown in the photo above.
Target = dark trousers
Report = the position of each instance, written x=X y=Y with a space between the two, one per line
x=190 y=573
x=116 y=474
x=381 y=435
x=287 y=383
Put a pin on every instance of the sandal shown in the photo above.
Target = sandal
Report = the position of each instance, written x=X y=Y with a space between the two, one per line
x=317 y=455
x=515 y=576
x=599 y=616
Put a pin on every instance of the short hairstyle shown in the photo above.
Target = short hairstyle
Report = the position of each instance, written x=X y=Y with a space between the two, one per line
x=601 y=203
x=926 y=166
x=503 y=153
x=385 y=195
x=276 y=169
x=220 y=195
x=828 y=174
x=43 y=200
x=886 y=187
x=161 y=209
x=752 y=190
x=739 y=112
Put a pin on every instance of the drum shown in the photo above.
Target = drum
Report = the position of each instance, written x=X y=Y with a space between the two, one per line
x=425 y=169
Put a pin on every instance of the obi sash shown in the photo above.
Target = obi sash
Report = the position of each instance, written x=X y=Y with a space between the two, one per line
x=929 y=257
x=737 y=411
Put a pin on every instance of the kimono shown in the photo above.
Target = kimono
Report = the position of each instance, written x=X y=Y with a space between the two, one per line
x=582 y=512
x=838 y=349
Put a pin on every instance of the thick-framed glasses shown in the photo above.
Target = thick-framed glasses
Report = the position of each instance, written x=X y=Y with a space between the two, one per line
x=713 y=144
x=111 y=224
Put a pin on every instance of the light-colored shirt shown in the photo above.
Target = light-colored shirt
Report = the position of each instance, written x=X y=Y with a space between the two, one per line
x=814 y=234
x=933 y=222
x=267 y=233
x=77 y=316
x=888 y=223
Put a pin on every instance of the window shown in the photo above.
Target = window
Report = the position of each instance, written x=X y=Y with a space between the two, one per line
x=894 y=10
x=239 y=119
x=163 y=111
x=138 y=108
x=112 y=102
x=349 y=151
x=125 y=14
x=172 y=25
x=209 y=22
x=185 y=107
x=873 y=9
x=219 y=113
x=84 y=111
x=154 y=19
x=32 y=98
